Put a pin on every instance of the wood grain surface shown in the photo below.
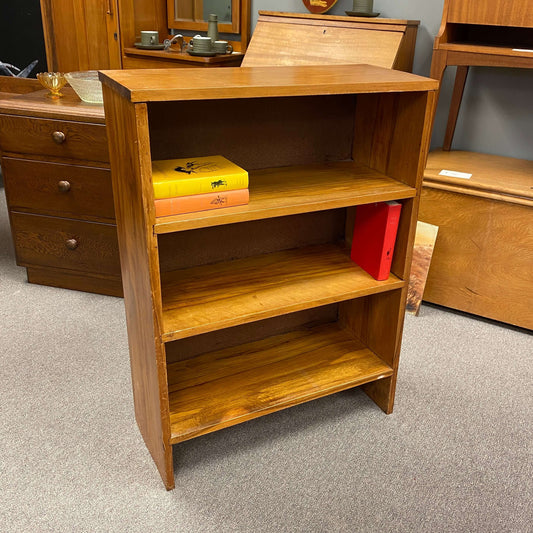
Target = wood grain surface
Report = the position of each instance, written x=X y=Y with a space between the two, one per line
x=483 y=258
x=256 y=82
x=30 y=135
x=229 y=386
x=43 y=241
x=28 y=99
x=491 y=12
x=134 y=208
x=34 y=186
x=220 y=295
x=299 y=189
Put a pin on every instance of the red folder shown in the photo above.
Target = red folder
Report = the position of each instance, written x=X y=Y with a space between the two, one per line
x=374 y=235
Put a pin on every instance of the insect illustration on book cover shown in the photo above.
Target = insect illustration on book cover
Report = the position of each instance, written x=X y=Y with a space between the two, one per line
x=195 y=167
x=219 y=201
x=218 y=183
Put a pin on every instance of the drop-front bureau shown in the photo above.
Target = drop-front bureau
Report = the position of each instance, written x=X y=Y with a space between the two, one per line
x=55 y=165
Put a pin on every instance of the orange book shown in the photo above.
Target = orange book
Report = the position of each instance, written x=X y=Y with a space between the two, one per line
x=200 y=202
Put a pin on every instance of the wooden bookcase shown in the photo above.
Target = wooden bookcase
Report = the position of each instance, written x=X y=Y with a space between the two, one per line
x=235 y=313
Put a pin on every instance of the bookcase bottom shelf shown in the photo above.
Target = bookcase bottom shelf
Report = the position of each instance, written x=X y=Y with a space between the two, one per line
x=229 y=386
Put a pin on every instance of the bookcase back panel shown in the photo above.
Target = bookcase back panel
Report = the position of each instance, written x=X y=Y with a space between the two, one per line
x=233 y=241
x=293 y=130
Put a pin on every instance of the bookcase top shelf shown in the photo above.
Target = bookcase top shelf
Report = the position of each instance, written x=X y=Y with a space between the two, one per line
x=161 y=85
x=281 y=191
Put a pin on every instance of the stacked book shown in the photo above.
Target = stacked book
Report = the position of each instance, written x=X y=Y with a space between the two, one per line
x=197 y=184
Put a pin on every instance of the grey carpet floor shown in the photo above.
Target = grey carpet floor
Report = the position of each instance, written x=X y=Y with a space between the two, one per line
x=456 y=454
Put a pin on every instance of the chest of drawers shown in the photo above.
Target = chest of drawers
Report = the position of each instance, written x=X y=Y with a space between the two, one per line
x=55 y=165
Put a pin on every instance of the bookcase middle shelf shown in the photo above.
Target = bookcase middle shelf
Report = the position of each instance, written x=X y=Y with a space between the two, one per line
x=291 y=190
x=215 y=296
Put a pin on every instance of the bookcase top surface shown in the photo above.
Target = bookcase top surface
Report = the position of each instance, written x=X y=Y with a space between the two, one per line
x=150 y=85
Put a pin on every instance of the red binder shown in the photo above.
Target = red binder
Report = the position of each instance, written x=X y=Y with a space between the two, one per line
x=374 y=235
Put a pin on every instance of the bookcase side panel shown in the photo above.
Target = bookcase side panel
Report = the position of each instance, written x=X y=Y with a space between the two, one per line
x=392 y=134
x=127 y=126
x=407 y=161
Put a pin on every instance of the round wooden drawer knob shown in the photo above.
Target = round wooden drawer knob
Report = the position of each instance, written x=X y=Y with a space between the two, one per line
x=59 y=137
x=63 y=186
x=71 y=244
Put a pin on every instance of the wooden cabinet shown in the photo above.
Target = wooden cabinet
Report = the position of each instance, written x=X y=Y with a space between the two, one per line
x=81 y=34
x=483 y=258
x=101 y=34
x=55 y=164
x=239 y=312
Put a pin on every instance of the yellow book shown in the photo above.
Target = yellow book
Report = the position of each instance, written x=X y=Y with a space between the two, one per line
x=196 y=175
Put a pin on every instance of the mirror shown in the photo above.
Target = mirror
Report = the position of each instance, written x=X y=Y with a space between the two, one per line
x=193 y=14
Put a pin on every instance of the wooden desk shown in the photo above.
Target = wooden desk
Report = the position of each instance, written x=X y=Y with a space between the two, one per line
x=306 y=39
x=490 y=33
x=483 y=258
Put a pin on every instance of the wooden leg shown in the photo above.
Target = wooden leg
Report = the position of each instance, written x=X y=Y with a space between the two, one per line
x=458 y=89
x=438 y=66
x=382 y=392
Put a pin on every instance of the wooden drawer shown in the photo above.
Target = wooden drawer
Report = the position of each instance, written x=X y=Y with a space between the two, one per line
x=76 y=140
x=73 y=191
x=64 y=243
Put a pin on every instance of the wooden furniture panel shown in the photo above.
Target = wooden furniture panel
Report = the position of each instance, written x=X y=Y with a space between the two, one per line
x=69 y=182
x=219 y=389
x=52 y=137
x=137 y=58
x=306 y=39
x=128 y=127
x=81 y=34
x=219 y=308
x=491 y=12
x=483 y=258
x=59 y=189
x=209 y=297
x=75 y=280
x=65 y=243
